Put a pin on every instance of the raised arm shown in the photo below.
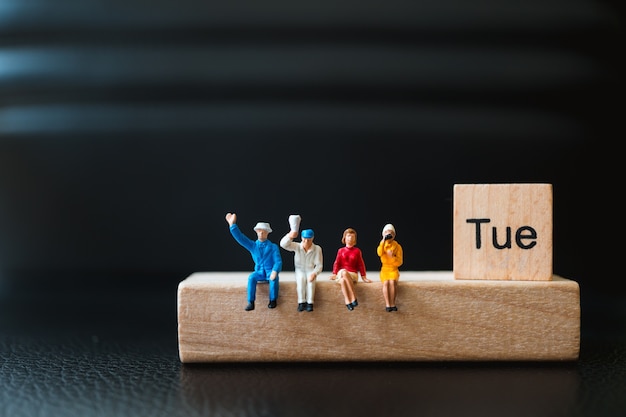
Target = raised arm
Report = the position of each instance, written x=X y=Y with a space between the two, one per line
x=287 y=242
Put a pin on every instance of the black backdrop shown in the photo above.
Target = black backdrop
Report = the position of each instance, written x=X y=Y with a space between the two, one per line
x=128 y=129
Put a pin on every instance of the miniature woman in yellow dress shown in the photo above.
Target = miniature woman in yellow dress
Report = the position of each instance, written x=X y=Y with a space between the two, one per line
x=390 y=253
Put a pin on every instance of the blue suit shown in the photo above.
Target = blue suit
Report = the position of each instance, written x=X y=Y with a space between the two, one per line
x=266 y=257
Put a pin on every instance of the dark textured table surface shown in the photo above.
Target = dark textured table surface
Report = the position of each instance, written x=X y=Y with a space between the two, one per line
x=93 y=349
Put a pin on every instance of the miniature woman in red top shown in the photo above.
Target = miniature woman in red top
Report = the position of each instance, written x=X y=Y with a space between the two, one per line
x=347 y=267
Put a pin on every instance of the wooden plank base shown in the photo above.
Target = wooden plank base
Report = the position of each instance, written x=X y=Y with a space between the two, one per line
x=438 y=319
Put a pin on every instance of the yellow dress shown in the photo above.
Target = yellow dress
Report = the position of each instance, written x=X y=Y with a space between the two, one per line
x=390 y=263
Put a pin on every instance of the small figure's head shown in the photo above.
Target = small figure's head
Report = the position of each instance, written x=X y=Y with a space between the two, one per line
x=349 y=237
x=307 y=236
x=262 y=230
x=389 y=232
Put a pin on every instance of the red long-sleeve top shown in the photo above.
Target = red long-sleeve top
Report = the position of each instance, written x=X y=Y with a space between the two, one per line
x=351 y=259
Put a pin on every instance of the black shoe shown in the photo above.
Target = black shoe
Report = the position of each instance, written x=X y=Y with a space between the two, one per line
x=250 y=306
x=350 y=306
x=354 y=303
x=309 y=307
x=272 y=304
x=394 y=308
x=301 y=306
x=388 y=309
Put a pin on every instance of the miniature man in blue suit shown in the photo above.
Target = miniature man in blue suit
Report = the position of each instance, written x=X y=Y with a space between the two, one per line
x=266 y=256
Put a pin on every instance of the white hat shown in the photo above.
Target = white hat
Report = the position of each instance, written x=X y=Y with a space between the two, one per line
x=263 y=226
x=389 y=226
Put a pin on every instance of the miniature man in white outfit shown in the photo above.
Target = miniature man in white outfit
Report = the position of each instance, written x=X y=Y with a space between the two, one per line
x=308 y=264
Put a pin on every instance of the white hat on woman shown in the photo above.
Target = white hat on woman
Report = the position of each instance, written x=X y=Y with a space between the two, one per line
x=389 y=227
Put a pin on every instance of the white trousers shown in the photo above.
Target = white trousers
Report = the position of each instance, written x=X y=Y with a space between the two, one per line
x=304 y=288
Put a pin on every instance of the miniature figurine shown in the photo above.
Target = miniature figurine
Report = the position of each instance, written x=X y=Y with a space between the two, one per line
x=390 y=253
x=266 y=256
x=308 y=264
x=347 y=267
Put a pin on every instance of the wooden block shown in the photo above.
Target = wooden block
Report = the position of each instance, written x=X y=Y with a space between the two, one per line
x=439 y=318
x=502 y=231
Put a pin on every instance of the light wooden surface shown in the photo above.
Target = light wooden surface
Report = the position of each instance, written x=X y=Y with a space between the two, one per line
x=520 y=207
x=439 y=318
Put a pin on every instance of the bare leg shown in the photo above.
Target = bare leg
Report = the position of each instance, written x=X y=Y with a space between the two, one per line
x=393 y=285
x=347 y=288
x=387 y=293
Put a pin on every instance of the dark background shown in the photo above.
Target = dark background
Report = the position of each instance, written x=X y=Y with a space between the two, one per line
x=128 y=130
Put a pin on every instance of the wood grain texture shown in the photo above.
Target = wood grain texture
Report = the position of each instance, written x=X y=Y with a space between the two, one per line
x=523 y=209
x=439 y=318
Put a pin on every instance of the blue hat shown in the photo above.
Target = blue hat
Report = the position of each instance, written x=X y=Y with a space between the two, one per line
x=307 y=233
